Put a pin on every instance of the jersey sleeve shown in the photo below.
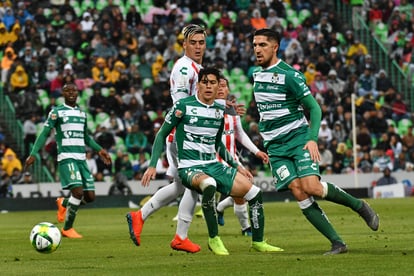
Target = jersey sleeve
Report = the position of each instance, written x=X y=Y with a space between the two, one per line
x=183 y=80
x=296 y=82
x=315 y=112
x=243 y=138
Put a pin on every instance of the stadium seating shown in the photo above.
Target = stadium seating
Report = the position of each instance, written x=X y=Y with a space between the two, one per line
x=403 y=125
x=101 y=117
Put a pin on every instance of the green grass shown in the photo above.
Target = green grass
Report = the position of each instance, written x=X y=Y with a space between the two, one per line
x=107 y=250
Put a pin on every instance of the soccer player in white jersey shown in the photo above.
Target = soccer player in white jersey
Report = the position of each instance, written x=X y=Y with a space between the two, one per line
x=70 y=124
x=281 y=95
x=199 y=122
x=233 y=132
x=183 y=83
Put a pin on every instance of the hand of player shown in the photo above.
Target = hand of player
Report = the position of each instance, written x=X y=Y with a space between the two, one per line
x=312 y=147
x=149 y=175
x=29 y=161
x=105 y=156
x=240 y=109
x=262 y=155
x=245 y=172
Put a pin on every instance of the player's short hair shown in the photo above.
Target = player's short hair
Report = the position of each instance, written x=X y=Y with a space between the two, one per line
x=69 y=85
x=269 y=33
x=192 y=29
x=209 y=71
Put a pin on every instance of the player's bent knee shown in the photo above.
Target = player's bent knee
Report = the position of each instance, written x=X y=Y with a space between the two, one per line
x=252 y=193
x=209 y=181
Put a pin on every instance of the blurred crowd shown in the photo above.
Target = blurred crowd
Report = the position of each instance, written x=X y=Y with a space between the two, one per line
x=120 y=53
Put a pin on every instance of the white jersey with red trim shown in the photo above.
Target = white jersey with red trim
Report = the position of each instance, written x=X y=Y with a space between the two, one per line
x=233 y=131
x=184 y=78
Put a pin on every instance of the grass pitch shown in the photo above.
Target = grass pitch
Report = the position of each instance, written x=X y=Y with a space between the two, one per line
x=107 y=250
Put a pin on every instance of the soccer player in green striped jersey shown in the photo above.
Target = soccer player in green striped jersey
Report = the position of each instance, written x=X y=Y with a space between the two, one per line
x=71 y=132
x=281 y=95
x=199 y=122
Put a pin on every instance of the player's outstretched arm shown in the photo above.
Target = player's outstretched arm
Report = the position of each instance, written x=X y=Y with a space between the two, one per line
x=149 y=175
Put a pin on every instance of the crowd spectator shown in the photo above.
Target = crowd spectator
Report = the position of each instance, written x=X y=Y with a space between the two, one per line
x=44 y=45
x=386 y=179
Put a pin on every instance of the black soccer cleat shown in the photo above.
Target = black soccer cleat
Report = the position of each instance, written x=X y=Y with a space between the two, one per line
x=369 y=215
x=337 y=248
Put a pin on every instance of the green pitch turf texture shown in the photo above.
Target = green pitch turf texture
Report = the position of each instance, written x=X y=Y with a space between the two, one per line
x=107 y=250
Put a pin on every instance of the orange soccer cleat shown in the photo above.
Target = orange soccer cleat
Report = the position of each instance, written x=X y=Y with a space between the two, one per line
x=135 y=224
x=184 y=245
x=61 y=212
x=71 y=233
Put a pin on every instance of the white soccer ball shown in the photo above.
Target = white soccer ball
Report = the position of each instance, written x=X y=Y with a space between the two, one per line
x=45 y=237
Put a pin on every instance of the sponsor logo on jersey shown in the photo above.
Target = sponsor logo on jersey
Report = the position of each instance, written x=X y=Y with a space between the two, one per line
x=178 y=113
x=283 y=172
x=218 y=114
x=193 y=120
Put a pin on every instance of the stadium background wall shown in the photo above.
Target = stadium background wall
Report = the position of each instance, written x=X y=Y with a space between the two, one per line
x=42 y=196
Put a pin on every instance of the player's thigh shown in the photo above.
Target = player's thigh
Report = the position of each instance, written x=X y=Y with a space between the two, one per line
x=224 y=176
x=241 y=186
x=283 y=171
x=87 y=177
x=191 y=177
x=69 y=174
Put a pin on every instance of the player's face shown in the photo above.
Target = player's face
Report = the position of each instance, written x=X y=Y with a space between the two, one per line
x=223 y=90
x=195 y=47
x=265 y=51
x=207 y=89
x=70 y=93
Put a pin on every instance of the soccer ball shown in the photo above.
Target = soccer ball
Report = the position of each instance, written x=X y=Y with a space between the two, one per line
x=45 y=237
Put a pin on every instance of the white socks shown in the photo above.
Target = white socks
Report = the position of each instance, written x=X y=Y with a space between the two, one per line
x=161 y=198
x=186 y=212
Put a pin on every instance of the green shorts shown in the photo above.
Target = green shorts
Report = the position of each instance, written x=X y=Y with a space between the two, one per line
x=223 y=175
x=75 y=173
x=290 y=161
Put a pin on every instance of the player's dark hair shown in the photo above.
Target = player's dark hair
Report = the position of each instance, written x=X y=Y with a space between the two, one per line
x=209 y=71
x=225 y=79
x=269 y=33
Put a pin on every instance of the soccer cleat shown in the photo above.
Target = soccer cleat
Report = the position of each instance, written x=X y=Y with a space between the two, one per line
x=247 y=232
x=199 y=213
x=265 y=247
x=184 y=245
x=61 y=212
x=71 y=233
x=135 y=224
x=369 y=215
x=337 y=248
x=216 y=245
x=220 y=218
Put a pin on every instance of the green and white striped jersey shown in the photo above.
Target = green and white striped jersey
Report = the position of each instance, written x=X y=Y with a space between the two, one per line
x=198 y=128
x=278 y=91
x=71 y=128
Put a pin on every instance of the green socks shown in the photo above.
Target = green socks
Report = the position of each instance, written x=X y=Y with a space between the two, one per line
x=257 y=217
x=208 y=206
x=337 y=195
x=317 y=217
